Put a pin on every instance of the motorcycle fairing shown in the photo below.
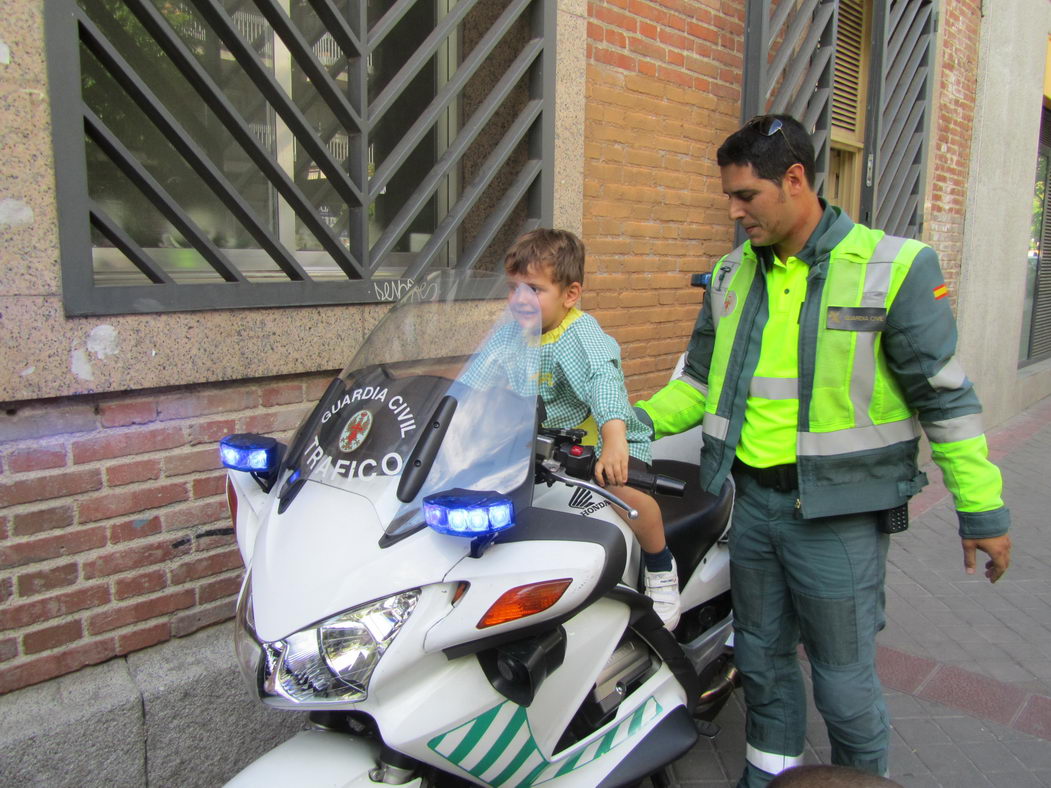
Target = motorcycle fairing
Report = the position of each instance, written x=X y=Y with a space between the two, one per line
x=498 y=747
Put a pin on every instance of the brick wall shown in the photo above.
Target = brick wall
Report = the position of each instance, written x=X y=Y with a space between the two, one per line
x=663 y=91
x=950 y=144
x=114 y=528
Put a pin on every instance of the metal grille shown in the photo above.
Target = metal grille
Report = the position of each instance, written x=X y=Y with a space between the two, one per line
x=227 y=153
x=1039 y=340
x=902 y=64
x=788 y=66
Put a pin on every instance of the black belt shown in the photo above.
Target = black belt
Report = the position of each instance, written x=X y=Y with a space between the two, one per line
x=782 y=478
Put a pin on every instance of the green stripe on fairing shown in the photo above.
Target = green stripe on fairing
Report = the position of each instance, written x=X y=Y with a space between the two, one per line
x=501 y=743
x=478 y=729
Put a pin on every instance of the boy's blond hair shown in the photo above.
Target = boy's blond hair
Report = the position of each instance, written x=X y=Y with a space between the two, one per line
x=558 y=250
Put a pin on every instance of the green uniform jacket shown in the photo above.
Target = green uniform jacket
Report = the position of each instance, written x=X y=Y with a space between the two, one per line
x=877 y=340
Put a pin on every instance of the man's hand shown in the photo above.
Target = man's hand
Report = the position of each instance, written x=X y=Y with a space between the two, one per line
x=998 y=548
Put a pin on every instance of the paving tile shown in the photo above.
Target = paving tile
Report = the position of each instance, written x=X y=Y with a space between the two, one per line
x=975 y=694
x=919 y=732
x=1035 y=717
x=902 y=671
x=990 y=756
x=1033 y=753
x=944 y=758
x=966 y=730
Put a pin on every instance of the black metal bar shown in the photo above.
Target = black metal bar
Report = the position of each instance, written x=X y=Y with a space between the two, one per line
x=347 y=39
x=756 y=47
x=213 y=96
x=806 y=95
x=158 y=196
x=126 y=244
x=803 y=20
x=416 y=61
x=455 y=151
x=126 y=299
x=500 y=214
x=173 y=131
x=492 y=164
x=246 y=57
x=444 y=97
x=905 y=95
x=387 y=22
x=308 y=62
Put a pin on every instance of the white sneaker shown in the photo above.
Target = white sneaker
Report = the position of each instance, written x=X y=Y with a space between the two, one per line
x=663 y=589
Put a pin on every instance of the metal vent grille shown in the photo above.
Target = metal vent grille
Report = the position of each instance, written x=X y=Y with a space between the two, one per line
x=788 y=66
x=225 y=153
x=905 y=35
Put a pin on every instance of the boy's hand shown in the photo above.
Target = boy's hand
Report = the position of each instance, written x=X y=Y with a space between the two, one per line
x=612 y=465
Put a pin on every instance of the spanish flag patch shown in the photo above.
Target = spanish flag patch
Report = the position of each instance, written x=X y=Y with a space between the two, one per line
x=940 y=292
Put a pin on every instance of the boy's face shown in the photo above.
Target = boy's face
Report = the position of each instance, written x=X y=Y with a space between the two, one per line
x=552 y=300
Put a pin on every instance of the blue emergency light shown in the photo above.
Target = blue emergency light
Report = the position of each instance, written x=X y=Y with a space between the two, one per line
x=250 y=453
x=468 y=513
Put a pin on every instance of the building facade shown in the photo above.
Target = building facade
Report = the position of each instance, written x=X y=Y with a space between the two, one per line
x=205 y=206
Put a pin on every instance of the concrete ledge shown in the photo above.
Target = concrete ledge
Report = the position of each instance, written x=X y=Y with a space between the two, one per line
x=175 y=714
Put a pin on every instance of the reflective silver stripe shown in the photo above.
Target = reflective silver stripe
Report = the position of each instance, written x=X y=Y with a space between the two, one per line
x=771 y=762
x=694 y=384
x=877 y=285
x=951 y=430
x=774 y=388
x=949 y=377
x=715 y=426
x=873 y=436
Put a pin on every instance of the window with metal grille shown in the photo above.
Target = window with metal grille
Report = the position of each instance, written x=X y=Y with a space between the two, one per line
x=868 y=126
x=1036 y=309
x=236 y=153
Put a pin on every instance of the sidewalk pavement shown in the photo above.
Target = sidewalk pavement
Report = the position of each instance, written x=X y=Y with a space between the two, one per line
x=965 y=664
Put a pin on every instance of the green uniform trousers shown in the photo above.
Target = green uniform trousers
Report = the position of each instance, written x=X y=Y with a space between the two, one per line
x=819 y=582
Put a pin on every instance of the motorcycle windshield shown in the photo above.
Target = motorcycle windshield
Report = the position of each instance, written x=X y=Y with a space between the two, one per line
x=459 y=349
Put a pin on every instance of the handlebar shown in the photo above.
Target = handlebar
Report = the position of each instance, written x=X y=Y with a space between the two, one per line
x=656 y=483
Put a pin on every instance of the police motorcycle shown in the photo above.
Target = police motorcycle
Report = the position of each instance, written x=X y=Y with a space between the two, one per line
x=445 y=588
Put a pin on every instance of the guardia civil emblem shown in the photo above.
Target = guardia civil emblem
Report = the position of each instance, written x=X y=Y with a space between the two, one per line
x=355 y=431
x=729 y=302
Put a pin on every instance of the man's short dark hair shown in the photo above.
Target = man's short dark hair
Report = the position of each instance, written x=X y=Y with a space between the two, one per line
x=770 y=144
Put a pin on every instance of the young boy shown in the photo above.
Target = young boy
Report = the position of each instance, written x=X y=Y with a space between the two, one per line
x=581 y=379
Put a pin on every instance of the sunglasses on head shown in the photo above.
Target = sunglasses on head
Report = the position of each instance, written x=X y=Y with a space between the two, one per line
x=768 y=126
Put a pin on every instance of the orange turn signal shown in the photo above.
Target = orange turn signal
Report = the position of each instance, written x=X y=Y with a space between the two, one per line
x=524 y=601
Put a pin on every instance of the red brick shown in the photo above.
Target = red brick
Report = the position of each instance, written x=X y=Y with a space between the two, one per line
x=316 y=386
x=51 y=637
x=36 y=459
x=137 y=585
x=211 y=564
x=209 y=486
x=8 y=649
x=203 y=403
x=130 y=472
x=116 y=561
x=125 y=414
x=55 y=485
x=221 y=588
x=125 y=443
x=58 y=664
x=60 y=417
x=140 y=611
x=214 y=538
x=281 y=394
x=16 y=616
x=275 y=421
x=144 y=638
x=7 y=588
x=39 y=520
x=192 y=461
x=33 y=583
x=134 y=500
x=75 y=540
x=212 y=431
x=201 y=617
x=138 y=528
x=198 y=513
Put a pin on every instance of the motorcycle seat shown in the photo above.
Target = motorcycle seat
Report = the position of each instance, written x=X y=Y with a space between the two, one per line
x=694 y=522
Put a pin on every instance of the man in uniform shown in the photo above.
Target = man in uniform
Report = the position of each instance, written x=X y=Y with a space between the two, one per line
x=821 y=348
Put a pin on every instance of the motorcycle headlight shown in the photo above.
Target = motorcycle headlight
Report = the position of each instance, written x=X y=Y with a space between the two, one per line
x=331 y=662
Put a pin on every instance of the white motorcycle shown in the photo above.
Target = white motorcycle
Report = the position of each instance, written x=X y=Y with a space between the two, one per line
x=446 y=590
